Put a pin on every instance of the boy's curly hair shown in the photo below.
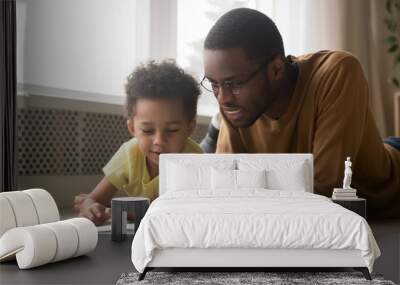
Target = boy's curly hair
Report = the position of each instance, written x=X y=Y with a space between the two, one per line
x=163 y=80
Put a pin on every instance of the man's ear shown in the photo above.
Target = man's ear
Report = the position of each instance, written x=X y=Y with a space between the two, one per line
x=130 y=126
x=276 y=68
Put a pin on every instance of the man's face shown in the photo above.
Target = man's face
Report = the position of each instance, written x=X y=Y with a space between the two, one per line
x=233 y=65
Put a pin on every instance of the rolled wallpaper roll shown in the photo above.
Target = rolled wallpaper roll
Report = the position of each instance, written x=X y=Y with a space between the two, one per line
x=67 y=240
x=87 y=235
x=37 y=245
x=45 y=205
x=26 y=208
x=23 y=208
x=7 y=218
x=33 y=246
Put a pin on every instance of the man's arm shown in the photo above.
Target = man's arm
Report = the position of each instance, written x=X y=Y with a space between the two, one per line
x=342 y=108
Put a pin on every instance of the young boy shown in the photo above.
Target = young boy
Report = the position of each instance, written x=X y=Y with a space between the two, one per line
x=161 y=105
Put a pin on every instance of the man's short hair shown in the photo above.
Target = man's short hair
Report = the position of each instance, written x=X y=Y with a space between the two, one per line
x=248 y=29
x=164 y=80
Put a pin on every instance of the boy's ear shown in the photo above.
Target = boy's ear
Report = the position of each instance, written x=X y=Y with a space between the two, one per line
x=192 y=126
x=131 y=127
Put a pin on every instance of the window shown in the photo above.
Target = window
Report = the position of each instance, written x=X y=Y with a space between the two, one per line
x=195 y=19
x=90 y=57
x=76 y=48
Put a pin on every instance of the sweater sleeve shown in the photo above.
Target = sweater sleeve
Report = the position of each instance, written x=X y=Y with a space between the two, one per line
x=342 y=107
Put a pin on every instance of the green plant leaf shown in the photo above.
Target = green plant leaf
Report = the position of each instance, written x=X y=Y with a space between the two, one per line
x=397 y=5
x=393 y=48
x=391 y=24
x=396 y=82
x=389 y=6
x=391 y=39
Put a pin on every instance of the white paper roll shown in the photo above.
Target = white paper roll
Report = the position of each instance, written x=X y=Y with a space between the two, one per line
x=87 y=235
x=45 y=205
x=34 y=246
x=23 y=207
x=7 y=217
x=67 y=239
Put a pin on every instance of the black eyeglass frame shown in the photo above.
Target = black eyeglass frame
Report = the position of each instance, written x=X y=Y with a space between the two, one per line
x=234 y=86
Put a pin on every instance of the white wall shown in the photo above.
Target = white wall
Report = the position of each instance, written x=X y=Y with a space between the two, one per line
x=85 y=49
x=76 y=45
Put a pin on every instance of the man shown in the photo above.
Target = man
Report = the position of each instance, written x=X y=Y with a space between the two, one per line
x=316 y=103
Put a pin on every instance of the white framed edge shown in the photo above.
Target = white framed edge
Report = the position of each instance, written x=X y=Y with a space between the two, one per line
x=357 y=199
x=164 y=158
x=256 y=257
x=79 y=100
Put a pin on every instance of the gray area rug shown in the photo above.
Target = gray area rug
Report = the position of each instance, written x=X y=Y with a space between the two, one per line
x=230 y=278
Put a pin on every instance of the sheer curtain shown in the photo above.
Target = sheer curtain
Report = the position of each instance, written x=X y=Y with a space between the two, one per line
x=355 y=26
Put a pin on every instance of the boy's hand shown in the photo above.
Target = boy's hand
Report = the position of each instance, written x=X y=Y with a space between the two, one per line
x=78 y=201
x=94 y=211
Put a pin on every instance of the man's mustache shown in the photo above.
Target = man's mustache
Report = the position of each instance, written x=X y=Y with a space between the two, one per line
x=230 y=107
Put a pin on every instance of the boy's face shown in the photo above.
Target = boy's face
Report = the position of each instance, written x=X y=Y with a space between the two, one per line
x=160 y=126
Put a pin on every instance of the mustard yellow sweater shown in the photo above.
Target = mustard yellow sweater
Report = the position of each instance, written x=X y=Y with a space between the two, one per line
x=329 y=116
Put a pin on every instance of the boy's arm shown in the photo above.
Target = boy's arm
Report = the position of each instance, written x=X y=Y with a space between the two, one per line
x=103 y=192
x=95 y=206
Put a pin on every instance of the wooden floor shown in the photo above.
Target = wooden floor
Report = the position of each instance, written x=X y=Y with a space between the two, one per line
x=101 y=266
x=387 y=235
x=110 y=260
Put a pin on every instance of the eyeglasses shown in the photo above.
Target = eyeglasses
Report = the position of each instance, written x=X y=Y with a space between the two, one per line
x=234 y=86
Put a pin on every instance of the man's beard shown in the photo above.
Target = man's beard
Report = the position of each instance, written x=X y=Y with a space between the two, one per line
x=245 y=123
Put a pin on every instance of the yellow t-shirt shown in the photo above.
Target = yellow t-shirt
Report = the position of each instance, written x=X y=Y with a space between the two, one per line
x=127 y=169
